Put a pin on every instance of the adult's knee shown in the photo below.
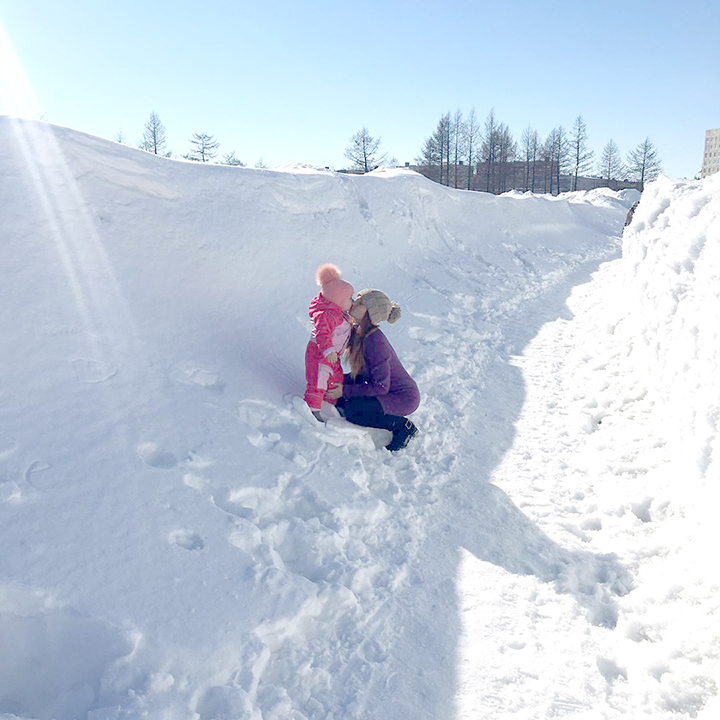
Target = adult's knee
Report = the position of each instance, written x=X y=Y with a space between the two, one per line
x=363 y=411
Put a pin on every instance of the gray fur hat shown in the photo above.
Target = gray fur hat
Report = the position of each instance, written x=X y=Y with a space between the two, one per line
x=379 y=306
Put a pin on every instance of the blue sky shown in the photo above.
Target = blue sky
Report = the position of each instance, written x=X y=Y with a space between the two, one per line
x=292 y=81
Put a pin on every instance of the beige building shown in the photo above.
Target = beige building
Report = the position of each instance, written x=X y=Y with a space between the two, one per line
x=711 y=159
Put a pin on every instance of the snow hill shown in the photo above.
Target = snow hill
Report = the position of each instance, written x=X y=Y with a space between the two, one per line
x=177 y=541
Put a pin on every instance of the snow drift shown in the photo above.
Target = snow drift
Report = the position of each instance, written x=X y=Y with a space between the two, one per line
x=180 y=542
x=624 y=458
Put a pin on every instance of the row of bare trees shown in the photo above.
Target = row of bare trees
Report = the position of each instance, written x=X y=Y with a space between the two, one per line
x=203 y=147
x=463 y=154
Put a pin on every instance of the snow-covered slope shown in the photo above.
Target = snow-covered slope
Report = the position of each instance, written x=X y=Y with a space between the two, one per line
x=179 y=542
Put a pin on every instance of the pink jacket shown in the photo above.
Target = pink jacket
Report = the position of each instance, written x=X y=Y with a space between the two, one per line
x=332 y=327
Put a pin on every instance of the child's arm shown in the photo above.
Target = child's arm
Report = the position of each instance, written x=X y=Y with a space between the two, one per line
x=325 y=326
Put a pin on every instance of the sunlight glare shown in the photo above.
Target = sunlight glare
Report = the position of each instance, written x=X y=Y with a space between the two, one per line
x=17 y=97
x=99 y=299
x=100 y=302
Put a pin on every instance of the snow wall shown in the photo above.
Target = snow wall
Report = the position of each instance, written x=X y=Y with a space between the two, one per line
x=669 y=305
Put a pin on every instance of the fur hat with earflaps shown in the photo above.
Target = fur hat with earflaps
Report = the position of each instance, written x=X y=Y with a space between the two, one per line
x=379 y=306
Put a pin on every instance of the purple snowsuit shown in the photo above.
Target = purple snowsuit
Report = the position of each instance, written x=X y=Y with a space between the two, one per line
x=384 y=378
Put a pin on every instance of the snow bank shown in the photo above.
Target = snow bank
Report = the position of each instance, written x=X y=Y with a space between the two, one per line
x=627 y=453
x=179 y=541
x=671 y=293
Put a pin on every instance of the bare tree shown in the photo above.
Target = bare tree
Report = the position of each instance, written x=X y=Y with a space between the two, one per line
x=559 y=156
x=507 y=152
x=435 y=155
x=555 y=154
x=457 y=139
x=643 y=163
x=498 y=151
x=153 y=139
x=472 y=139
x=489 y=150
x=530 y=144
x=429 y=158
x=230 y=159
x=442 y=137
x=581 y=155
x=548 y=157
x=363 y=151
x=121 y=137
x=610 y=166
x=204 y=147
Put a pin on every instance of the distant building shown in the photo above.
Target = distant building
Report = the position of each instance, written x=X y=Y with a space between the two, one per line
x=497 y=178
x=711 y=159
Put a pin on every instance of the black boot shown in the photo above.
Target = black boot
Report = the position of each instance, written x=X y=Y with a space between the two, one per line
x=403 y=431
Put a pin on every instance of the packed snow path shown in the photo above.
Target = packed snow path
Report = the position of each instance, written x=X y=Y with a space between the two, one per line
x=181 y=542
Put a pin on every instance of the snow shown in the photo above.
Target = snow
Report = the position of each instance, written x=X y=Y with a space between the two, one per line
x=180 y=541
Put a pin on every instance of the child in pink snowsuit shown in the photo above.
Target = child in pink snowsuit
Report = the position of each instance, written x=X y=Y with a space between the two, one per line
x=328 y=311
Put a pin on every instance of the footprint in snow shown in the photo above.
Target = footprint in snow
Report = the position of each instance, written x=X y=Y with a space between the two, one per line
x=372 y=651
x=188 y=374
x=274 y=430
x=93 y=371
x=186 y=539
x=154 y=456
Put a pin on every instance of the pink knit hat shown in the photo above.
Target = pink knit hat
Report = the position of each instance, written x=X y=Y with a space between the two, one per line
x=333 y=288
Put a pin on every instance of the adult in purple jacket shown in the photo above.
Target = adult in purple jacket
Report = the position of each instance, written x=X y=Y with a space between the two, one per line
x=378 y=391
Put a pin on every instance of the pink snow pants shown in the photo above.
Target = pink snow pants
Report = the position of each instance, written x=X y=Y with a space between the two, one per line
x=320 y=374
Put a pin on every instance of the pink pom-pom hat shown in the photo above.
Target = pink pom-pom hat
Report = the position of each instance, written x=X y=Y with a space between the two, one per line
x=333 y=287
